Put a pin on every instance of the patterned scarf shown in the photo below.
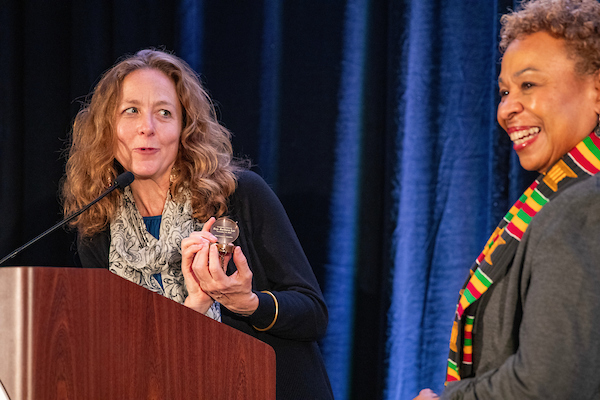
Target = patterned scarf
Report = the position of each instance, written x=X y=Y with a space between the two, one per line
x=497 y=256
x=137 y=256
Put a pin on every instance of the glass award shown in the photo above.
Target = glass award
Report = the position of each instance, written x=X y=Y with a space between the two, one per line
x=226 y=231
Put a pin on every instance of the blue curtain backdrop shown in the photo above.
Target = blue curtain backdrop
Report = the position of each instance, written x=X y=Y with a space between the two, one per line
x=374 y=122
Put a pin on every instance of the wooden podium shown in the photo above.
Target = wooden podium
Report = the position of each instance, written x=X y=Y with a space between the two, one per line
x=74 y=333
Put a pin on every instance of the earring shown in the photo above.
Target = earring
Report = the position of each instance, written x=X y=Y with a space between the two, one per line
x=110 y=178
x=173 y=175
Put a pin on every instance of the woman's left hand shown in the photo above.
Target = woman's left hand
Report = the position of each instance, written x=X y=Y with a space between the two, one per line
x=190 y=246
x=235 y=291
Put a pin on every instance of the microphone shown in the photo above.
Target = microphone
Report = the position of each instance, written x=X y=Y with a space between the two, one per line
x=121 y=181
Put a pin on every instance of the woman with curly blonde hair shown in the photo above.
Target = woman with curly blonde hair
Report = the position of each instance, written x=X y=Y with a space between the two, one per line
x=526 y=323
x=204 y=158
x=150 y=115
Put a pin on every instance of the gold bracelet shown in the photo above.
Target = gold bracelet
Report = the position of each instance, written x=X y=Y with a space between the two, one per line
x=276 y=313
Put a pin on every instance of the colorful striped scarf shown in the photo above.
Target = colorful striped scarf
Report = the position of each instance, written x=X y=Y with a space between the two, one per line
x=497 y=256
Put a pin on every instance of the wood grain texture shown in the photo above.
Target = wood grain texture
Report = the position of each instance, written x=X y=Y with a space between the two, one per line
x=97 y=336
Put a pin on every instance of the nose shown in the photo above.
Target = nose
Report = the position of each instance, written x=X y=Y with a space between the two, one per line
x=146 y=125
x=509 y=106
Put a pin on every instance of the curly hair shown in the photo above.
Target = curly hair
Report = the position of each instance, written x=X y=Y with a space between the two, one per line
x=575 y=21
x=204 y=164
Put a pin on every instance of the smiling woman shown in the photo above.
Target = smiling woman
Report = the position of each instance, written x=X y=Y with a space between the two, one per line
x=546 y=106
x=150 y=115
x=526 y=323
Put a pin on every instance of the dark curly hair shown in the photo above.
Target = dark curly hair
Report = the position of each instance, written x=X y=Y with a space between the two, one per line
x=575 y=21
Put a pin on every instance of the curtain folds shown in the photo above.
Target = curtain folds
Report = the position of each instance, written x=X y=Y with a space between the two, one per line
x=268 y=152
x=190 y=41
x=344 y=233
x=373 y=120
x=446 y=104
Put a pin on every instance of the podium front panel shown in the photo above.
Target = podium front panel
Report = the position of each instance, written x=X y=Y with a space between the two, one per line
x=74 y=333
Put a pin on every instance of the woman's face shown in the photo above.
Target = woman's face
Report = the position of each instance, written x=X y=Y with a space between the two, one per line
x=546 y=107
x=148 y=125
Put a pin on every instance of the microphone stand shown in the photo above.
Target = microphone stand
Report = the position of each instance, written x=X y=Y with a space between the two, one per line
x=122 y=181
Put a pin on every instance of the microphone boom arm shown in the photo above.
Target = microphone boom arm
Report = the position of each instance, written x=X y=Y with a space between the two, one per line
x=122 y=181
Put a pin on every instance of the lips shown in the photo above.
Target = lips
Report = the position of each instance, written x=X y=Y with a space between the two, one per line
x=522 y=136
x=146 y=149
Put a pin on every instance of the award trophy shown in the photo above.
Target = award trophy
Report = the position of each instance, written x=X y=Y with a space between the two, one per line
x=226 y=231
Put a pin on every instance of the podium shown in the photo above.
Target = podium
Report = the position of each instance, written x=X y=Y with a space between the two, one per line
x=75 y=333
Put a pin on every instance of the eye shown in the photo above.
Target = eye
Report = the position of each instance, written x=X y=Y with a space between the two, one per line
x=131 y=110
x=165 y=113
x=503 y=93
x=527 y=85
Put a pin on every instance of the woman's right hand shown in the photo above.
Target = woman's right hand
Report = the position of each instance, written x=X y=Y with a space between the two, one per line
x=426 y=394
x=197 y=242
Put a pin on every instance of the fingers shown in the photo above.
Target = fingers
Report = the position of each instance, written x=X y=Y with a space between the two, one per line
x=208 y=224
x=240 y=297
x=202 y=235
x=209 y=274
x=197 y=236
x=427 y=394
x=189 y=248
x=241 y=263
x=196 y=255
x=209 y=270
x=200 y=262
x=191 y=245
x=197 y=299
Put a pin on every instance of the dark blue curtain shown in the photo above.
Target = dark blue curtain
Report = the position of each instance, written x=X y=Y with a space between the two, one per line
x=374 y=122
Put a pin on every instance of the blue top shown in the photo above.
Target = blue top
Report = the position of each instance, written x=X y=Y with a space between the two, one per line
x=153 y=226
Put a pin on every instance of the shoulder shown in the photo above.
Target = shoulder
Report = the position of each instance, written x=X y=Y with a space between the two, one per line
x=566 y=229
x=247 y=178
x=580 y=200
x=254 y=199
x=585 y=189
x=250 y=184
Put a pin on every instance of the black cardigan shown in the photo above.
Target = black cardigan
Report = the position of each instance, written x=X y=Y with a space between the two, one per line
x=279 y=265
